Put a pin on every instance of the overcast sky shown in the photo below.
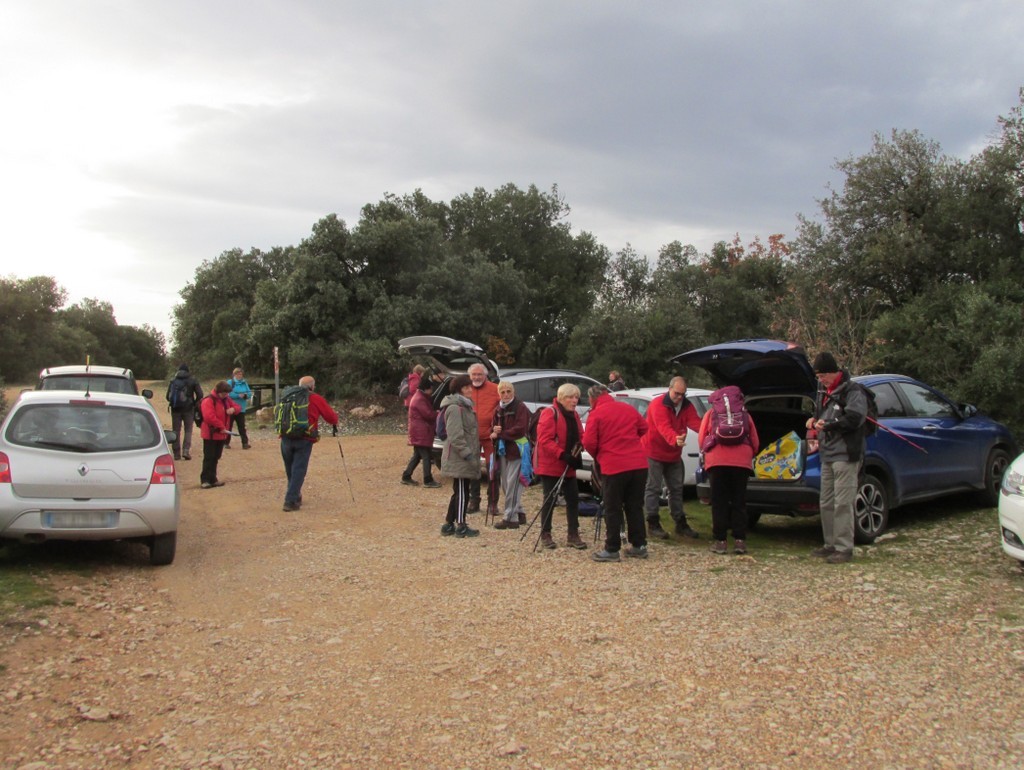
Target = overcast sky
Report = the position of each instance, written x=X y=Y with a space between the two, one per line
x=140 y=137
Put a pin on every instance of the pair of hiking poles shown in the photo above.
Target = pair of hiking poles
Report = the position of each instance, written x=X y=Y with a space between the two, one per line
x=549 y=502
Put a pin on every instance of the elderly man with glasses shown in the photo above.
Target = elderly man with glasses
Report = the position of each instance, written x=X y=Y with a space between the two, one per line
x=668 y=419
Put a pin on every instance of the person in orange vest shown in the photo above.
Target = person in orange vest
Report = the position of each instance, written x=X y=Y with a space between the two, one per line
x=485 y=400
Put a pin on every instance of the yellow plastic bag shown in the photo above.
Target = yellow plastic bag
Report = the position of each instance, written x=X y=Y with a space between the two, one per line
x=780 y=459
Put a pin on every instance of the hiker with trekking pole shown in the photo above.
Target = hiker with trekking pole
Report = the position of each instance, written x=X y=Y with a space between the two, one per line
x=297 y=418
x=511 y=451
x=838 y=425
x=614 y=431
x=556 y=460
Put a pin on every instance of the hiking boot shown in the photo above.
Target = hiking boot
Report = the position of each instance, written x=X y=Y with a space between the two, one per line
x=637 y=552
x=685 y=530
x=739 y=547
x=186 y=456
x=718 y=546
x=575 y=541
x=206 y=485
x=463 y=531
x=654 y=529
x=546 y=541
x=177 y=455
x=839 y=557
x=246 y=446
x=288 y=507
x=474 y=505
x=410 y=482
x=217 y=484
x=447 y=529
x=522 y=518
x=431 y=484
x=825 y=550
x=604 y=555
x=506 y=524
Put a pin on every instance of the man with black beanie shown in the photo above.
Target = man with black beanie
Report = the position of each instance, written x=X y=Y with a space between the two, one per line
x=838 y=426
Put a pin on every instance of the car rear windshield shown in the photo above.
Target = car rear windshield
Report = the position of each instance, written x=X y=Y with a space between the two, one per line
x=90 y=383
x=87 y=428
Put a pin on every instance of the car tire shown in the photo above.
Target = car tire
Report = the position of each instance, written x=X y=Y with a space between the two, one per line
x=870 y=510
x=752 y=518
x=996 y=465
x=161 y=549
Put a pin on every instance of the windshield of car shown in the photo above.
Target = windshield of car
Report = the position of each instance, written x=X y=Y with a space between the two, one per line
x=83 y=428
x=90 y=383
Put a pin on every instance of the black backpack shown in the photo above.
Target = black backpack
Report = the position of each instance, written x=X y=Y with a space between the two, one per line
x=179 y=395
x=291 y=414
x=531 y=431
x=440 y=427
x=199 y=412
x=871 y=421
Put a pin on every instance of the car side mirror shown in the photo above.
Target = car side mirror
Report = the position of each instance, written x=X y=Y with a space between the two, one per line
x=147 y=393
x=968 y=410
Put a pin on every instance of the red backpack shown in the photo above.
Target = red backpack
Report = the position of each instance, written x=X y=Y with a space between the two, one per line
x=730 y=422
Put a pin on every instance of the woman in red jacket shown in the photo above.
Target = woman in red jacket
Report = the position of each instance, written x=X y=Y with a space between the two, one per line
x=729 y=465
x=559 y=445
x=422 y=418
x=217 y=409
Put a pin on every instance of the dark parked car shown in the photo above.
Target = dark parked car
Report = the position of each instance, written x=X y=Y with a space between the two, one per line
x=960 y=448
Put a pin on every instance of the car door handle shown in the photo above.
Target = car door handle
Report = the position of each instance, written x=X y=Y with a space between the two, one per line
x=930 y=428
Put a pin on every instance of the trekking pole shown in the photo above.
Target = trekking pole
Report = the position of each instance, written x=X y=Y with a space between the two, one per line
x=551 y=504
x=552 y=495
x=344 y=464
x=897 y=435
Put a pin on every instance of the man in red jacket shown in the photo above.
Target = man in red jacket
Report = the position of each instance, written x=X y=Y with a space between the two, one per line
x=296 y=451
x=485 y=400
x=613 y=437
x=668 y=418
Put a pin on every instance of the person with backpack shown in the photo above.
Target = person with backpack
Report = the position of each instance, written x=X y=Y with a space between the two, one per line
x=613 y=438
x=410 y=384
x=297 y=417
x=728 y=440
x=217 y=409
x=838 y=425
x=422 y=419
x=183 y=393
x=508 y=432
x=241 y=394
x=669 y=417
x=460 y=455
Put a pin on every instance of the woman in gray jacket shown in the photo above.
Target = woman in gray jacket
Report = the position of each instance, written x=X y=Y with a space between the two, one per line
x=460 y=455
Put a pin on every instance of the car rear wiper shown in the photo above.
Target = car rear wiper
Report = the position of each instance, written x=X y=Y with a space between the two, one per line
x=63 y=445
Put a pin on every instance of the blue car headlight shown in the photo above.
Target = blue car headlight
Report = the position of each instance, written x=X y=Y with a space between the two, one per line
x=1013 y=482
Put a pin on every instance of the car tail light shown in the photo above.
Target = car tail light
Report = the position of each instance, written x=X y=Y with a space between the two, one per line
x=5 y=469
x=163 y=471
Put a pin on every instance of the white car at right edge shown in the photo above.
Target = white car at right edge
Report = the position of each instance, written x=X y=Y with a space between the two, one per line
x=1011 y=510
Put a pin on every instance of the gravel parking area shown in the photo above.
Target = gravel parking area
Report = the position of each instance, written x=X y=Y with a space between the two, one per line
x=353 y=635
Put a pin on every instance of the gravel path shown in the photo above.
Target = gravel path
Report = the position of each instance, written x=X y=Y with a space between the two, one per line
x=353 y=635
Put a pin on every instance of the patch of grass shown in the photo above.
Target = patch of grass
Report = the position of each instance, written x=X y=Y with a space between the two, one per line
x=19 y=591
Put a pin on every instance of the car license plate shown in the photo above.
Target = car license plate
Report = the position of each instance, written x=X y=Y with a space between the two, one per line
x=79 y=519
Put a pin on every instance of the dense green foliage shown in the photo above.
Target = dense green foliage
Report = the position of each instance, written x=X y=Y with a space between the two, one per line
x=39 y=331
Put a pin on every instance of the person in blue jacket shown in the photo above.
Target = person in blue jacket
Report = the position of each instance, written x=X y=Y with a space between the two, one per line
x=241 y=394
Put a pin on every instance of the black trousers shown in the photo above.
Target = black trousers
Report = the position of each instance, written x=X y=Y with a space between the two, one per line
x=728 y=501
x=459 y=502
x=419 y=454
x=212 y=450
x=572 y=503
x=238 y=423
x=624 y=492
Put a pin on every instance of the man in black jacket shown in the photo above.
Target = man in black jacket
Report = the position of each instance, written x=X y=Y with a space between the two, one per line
x=183 y=397
x=838 y=426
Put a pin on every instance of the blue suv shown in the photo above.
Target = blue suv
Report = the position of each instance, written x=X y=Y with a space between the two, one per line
x=958 y=448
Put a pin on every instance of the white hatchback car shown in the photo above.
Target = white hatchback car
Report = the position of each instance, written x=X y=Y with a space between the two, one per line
x=1011 y=510
x=77 y=466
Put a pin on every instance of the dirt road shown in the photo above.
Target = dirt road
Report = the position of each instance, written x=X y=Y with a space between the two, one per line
x=353 y=635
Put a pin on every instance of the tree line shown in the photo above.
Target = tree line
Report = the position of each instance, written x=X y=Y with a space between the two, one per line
x=40 y=331
x=911 y=266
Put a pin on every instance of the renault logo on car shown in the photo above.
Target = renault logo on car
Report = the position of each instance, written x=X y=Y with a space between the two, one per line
x=83 y=469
